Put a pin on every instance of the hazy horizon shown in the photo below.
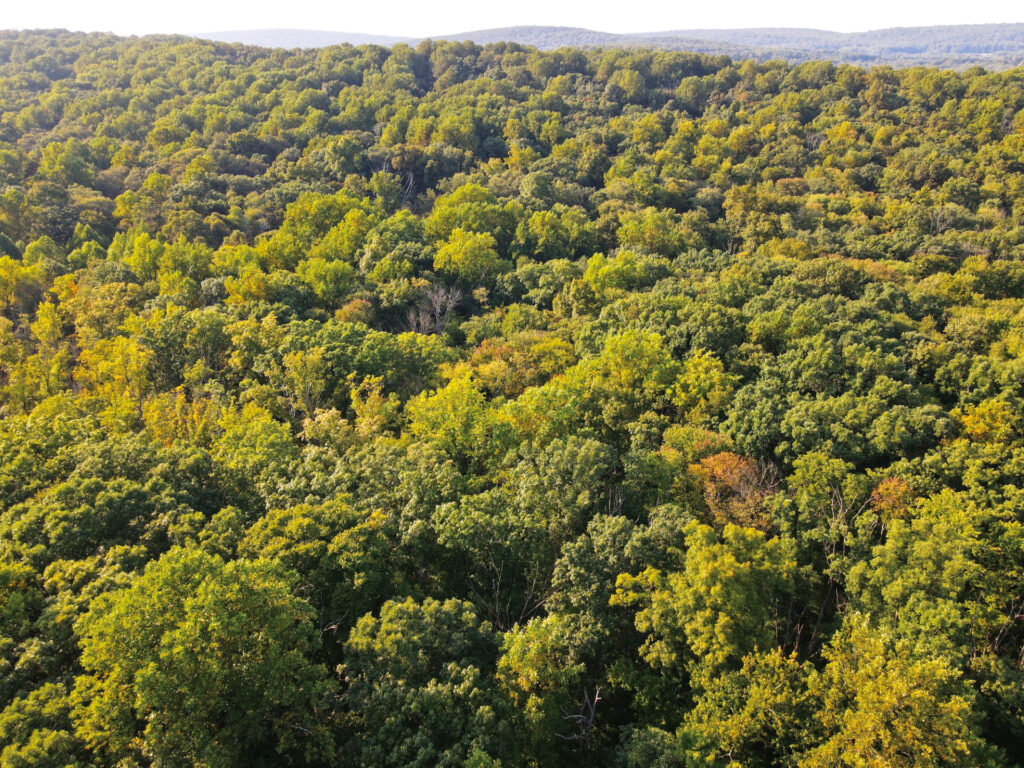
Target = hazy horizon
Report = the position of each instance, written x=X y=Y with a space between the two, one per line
x=408 y=19
x=667 y=30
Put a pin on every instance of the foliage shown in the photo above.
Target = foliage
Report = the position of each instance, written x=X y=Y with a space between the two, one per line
x=487 y=405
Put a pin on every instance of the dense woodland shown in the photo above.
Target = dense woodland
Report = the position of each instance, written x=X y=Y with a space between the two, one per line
x=995 y=46
x=483 y=406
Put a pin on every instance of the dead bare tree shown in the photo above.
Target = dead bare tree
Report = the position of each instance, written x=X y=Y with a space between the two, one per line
x=434 y=309
x=504 y=605
x=408 y=186
x=584 y=719
x=941 y=218
x=417 y=320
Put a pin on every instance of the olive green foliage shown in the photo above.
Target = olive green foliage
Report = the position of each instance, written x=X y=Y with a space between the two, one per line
x=483 y=406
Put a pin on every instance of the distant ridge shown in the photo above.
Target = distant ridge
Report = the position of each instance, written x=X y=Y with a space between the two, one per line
x=301 y=38
x=991 y=45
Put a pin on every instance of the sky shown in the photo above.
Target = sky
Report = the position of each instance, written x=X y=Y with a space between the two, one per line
x=420 y=18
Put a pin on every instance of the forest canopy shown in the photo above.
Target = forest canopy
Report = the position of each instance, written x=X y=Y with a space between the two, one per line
x=484 y=406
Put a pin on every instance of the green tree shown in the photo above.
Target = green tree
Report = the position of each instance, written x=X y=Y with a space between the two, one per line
x=470 y=258
x=199 y=662
x=883 y=704
x=724 y=604
x=420 y=688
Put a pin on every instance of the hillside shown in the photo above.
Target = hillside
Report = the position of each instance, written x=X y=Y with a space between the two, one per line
x=301 y=38
x=990 y=45
x=495 y=407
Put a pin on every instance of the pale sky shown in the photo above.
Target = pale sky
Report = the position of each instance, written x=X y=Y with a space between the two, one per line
x=418 y=18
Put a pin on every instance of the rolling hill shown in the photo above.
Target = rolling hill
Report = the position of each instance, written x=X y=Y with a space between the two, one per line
x=995 y=46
